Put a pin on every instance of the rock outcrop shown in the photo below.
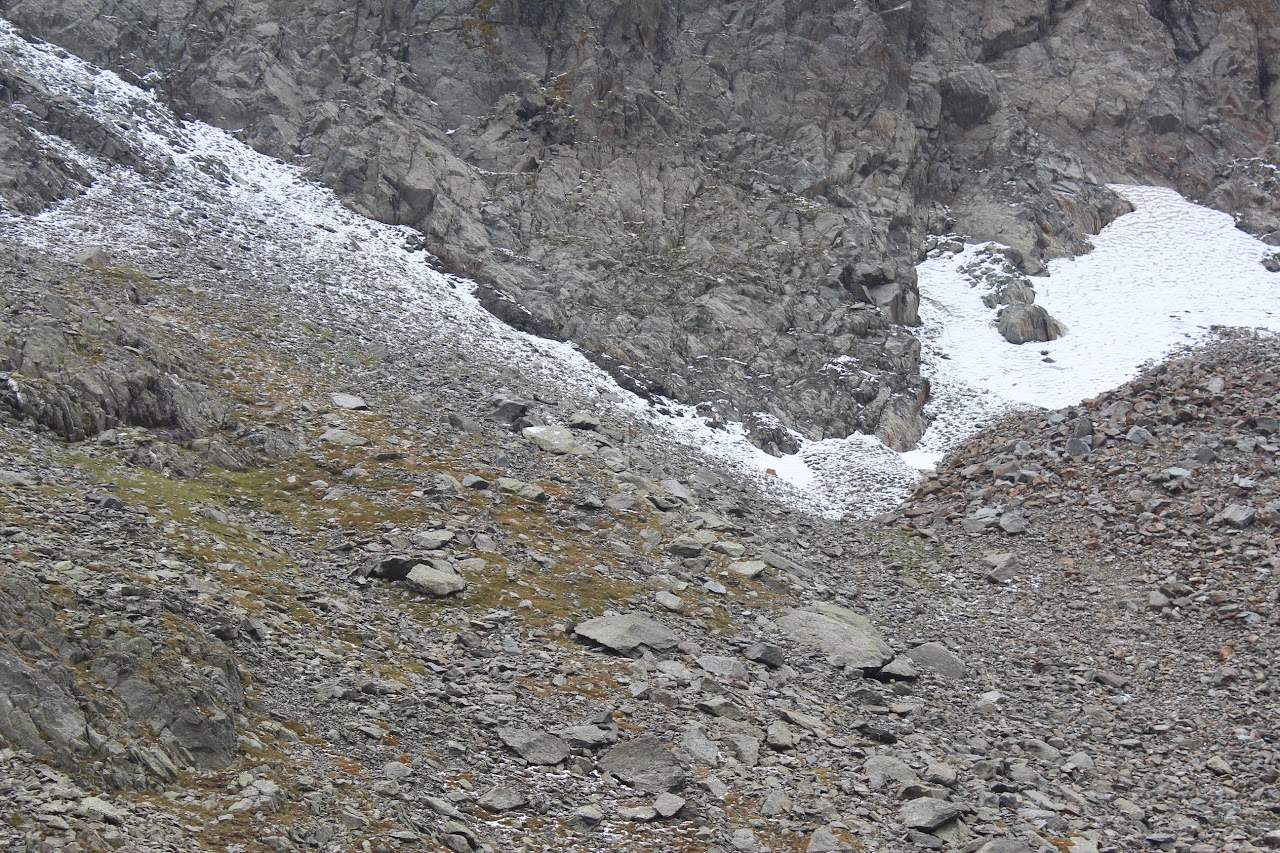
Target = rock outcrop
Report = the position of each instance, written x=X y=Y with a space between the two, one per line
x=718 y=203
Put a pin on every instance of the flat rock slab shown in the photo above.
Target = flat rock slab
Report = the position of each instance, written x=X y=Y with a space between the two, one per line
x=520 y=489
x=348 y=401
x=344 y=438
x=935 y=657
x=928 y=813
x=645 y=764
x=749 y=568
x=535 y=747
x=847 y=636
x=555 y=439
x=628 y=634
x=1005 y=845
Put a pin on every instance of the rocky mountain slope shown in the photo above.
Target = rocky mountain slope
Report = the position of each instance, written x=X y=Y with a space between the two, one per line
x=289 y=596
x=715 y=199
x=301 y=551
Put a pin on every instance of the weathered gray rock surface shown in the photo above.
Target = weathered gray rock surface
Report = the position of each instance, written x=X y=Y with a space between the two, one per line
x=709 y=200
x=848 y=637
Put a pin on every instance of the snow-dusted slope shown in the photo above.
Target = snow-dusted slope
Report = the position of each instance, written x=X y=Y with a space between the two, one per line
x=1158 y=278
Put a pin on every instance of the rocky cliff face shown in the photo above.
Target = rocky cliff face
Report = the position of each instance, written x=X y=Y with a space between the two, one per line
x=721 y=203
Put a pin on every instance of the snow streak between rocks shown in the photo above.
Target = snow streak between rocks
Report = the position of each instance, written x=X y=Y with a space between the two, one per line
x=1157 y=279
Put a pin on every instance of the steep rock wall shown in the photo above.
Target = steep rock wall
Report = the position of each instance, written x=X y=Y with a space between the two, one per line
x=721 y=202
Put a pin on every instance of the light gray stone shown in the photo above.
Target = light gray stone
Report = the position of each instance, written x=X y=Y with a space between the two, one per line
x=555 y=439
x=847 y=637
x=885 y=769
x=437 y=580
x=348 y=401
x=935 y=657
x=502 y=798
x=628 y=634
x=343 y=437
x=535 y=747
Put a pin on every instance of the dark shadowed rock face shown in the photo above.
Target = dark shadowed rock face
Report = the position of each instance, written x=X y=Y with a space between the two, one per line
x=718 y=202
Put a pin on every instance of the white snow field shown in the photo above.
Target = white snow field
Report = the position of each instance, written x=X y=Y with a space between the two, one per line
x=1158 y=278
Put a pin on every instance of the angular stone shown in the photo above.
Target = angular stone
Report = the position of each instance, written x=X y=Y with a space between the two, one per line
x=1078 y=447
x=898 y=669
x=847 y=637
x=628 y=634
x=1013 y=523
x=766 y=653
x=823 y=840
x=348 y=401
x=744 y=748
x=935 y=657
x=885 y=769
x=722 y=706
x=669 y=600
x=502 y=798
x=1003 y=567
x=698 y=748
x=434 y=580
x=590 y=737
x=97 y=809
x=432 y=540
x=535 y=747
x=343 y=438
x=725 y=667
x=779 y=736
x=644 y=763
x=520 y=489
x=638 y=814
x=749 y=568
x=1239 y=516
x=668 y=804
x=928 y=813
x=1005 y=845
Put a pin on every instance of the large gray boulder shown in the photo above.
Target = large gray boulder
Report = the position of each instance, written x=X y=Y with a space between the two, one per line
x=628 y=634
x=935 y=657
x=555 y=439
x=646 y=764
x=847 y=637
x=437 y=578
x=1021 y=323
x=535 y=747
x=928 y=813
